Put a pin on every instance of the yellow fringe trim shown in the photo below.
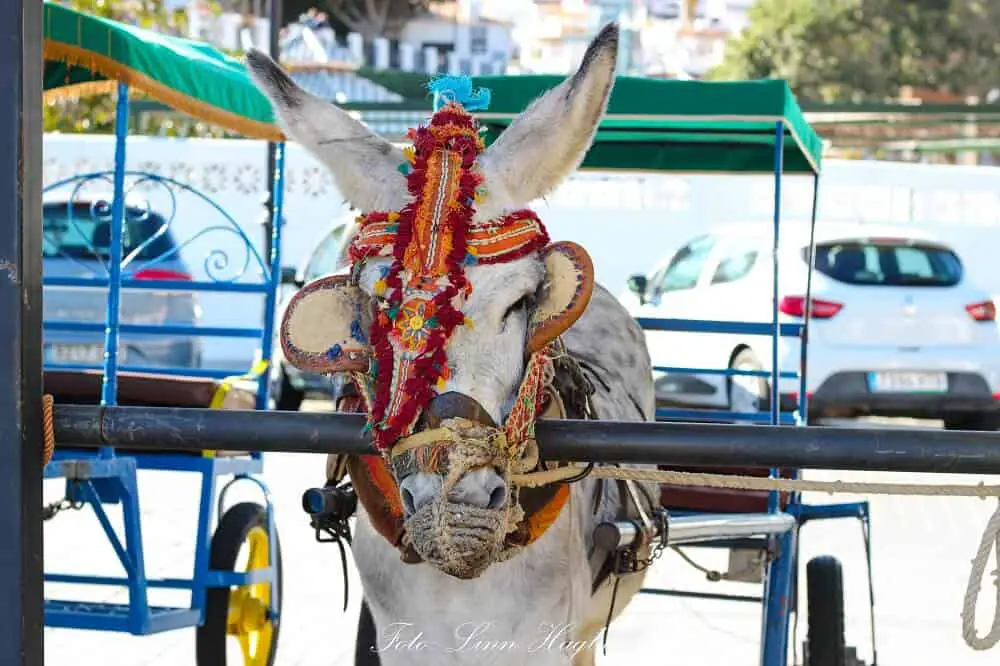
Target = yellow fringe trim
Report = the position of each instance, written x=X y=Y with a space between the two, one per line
x=75 y=91
x=107 y=67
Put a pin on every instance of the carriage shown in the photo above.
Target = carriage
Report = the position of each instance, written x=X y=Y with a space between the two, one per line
x=142 y=347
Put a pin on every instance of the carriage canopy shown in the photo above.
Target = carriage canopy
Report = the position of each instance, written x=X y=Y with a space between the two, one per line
x=690 y=126
x=86 y=54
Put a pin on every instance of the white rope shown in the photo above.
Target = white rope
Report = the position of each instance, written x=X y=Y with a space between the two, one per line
x=677 y=478
x=990 y=540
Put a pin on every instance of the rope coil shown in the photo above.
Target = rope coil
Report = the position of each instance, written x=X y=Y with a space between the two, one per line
x=48 y=429
x=989 y=541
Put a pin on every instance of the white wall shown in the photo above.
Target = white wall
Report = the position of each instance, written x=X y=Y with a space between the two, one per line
x=433 y=31
x=626 y=222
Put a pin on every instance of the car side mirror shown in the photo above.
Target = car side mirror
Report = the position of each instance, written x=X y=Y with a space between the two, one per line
x=637 y=285
x=289 y=276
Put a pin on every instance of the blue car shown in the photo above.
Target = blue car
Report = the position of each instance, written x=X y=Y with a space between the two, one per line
x=76 y=238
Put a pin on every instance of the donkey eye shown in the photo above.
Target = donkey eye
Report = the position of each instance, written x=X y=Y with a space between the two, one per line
x=519 y=305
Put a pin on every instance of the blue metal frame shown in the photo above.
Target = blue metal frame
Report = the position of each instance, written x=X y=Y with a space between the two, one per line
x=96 y=479
x=781 y=574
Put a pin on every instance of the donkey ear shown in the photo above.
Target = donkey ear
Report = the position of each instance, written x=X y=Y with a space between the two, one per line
x=549 y=139
x=364 y=165
x=322 y=330
x=569 y=284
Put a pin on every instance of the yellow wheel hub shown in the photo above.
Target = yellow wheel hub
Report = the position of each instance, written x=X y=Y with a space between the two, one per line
x=248 y=605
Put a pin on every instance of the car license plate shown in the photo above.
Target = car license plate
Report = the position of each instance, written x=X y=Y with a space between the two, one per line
x=908 y=382
x=65 y=353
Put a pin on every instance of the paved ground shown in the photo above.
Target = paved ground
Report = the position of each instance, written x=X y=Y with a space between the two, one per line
x=922 y=551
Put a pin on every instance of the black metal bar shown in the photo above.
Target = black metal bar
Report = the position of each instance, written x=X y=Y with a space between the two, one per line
x=274 y=26
x=20 y=350
x=698 y=444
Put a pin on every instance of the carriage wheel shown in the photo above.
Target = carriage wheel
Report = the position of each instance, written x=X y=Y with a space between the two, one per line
x=240 y=612
x=825 y=645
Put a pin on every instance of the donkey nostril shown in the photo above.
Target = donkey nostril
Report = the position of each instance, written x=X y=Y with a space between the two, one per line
x=498 y=498
x=418 y=489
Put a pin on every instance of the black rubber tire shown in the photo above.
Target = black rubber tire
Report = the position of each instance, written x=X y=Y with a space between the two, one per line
x=230 y=535
x=748 y=357
x=288 y=398
x=979 y=421
x=365 y=648
x=825 y=642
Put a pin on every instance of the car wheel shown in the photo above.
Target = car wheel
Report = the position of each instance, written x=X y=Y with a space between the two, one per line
x=287 y=398
x=747 y=395
x=982 y=421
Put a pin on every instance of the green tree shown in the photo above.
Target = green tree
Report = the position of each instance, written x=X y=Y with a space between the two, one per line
x=853 y=50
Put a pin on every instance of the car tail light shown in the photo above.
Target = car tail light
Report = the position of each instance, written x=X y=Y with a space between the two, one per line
x=161 y=274
x=795 y=306
x=985 y=311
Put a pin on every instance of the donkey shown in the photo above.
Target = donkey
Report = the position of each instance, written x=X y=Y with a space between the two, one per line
x=460 y=324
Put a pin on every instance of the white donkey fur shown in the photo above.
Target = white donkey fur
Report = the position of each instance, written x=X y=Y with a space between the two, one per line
x=537 y=607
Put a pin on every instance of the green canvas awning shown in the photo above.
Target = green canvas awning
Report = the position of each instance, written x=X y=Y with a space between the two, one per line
x=85 y=53
x=691 y=126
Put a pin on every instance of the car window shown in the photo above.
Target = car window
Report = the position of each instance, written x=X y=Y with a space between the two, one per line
x=734 y=267
x=888 y=263
x=686 y=266
x=324 y=258
x=81 y=233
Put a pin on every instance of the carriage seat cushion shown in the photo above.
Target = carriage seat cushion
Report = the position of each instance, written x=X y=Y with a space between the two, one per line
x=135 y=389
x=142 y=389
x=719 y=500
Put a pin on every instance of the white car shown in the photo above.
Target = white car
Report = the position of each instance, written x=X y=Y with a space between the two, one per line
x=896 y=328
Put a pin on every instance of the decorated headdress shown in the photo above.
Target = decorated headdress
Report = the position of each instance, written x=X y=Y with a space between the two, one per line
x=431 y=241
x=427 y=234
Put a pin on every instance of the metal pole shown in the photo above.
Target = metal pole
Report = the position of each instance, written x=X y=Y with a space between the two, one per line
x=109 y=386
x=780 y=571
x=804 y=340
x=274 y=25
x=689 y=444
x=773 y=498
x=699 y=528
x=20 y=352
x=779 y=154
x=274 y=264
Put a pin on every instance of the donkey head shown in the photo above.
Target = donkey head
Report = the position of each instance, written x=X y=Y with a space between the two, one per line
x=453 y=288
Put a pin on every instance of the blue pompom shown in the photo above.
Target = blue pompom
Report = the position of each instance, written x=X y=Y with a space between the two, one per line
x=447 y=88
x=356 y=331
x=333 y=353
